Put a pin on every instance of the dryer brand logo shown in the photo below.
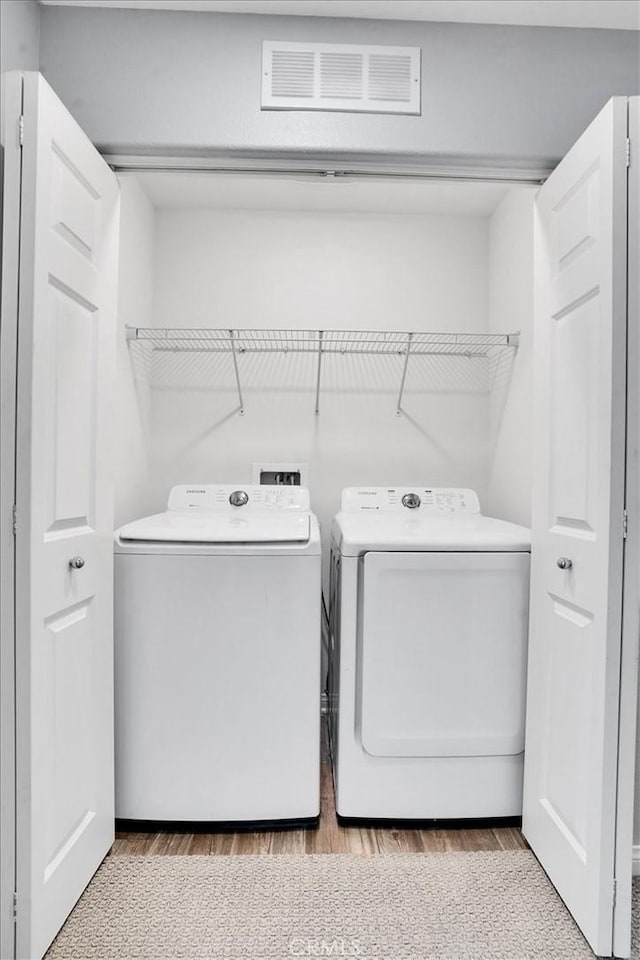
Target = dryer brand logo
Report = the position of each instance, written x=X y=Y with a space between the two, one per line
x=196 y=491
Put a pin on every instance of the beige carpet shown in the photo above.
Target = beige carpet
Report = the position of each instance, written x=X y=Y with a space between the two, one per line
x=459 y=906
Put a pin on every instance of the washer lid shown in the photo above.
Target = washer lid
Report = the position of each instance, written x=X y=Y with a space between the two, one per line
x=227 y=514
x=175 y=527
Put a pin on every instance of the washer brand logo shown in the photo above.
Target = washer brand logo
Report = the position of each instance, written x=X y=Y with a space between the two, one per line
x=196 y=491
x=368 y=493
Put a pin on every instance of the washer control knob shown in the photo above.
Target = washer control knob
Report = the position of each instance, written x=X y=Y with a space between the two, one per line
x=564 y=563
x=411 y=500
x=76 y=563
x=239 y=498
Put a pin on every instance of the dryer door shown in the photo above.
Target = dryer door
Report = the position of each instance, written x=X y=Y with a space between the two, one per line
x=442 y=651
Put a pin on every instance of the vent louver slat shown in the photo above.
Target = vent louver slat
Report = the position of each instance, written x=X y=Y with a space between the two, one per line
x=346 y=77
x=390 y=78
x=341 y=75
x=292 y=74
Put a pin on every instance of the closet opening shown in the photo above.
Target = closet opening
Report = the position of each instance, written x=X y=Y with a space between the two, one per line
x=376 y=329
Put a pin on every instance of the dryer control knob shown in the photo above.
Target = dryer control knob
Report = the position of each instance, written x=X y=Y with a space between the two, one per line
x=238 y=498
x=411 y=500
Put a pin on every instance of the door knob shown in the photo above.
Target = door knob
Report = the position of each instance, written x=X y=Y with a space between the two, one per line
x=76 y=563
x=564 y=563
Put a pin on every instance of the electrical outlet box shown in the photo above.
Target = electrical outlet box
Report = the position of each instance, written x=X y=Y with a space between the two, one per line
x=281 y=474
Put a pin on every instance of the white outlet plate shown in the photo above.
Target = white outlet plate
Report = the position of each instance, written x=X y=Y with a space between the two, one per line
x=288 y=467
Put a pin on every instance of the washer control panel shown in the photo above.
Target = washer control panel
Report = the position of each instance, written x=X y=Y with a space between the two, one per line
x=233 y=497
x=434 y=501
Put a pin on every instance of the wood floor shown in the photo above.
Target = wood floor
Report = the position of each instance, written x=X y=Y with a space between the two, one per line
x=328 y=838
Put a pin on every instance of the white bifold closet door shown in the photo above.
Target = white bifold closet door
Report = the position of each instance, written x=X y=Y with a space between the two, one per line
x=64 y=541
x=573 y=724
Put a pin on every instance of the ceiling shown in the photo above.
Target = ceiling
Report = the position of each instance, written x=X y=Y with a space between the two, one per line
x=607 y=14
x=286 y=194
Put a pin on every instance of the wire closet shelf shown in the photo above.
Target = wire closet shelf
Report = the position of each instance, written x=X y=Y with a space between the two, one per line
x=381 y=343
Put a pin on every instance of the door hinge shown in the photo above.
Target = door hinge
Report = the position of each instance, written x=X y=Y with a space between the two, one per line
x=628 y=151
x=14 y=522
x=625 y=524
x=14 y=908
x=21 y=130
x=615 y=891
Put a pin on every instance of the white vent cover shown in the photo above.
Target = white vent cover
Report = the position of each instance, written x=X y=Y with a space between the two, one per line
x=340 y=76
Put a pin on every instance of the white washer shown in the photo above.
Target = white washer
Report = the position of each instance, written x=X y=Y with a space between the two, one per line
x=428 y=626
x=218 y=658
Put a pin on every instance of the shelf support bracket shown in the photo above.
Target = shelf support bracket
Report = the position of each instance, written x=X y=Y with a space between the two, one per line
x=404 y=374
x=317 y=410
x=235 y=369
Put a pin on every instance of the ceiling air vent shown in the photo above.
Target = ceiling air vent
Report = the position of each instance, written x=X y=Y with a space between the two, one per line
x=340 y=76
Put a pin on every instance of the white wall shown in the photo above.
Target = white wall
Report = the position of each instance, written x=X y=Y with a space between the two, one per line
x=19 y=35
x=290 y=270
x=510 y=309
x=135 y=298
x=141 y=81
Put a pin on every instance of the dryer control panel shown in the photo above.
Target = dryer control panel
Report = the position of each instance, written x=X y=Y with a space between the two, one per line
x=435 y=501
x=238 y=498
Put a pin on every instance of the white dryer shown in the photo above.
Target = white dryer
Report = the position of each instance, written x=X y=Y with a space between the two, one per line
x=428 y=644
x=217 y=636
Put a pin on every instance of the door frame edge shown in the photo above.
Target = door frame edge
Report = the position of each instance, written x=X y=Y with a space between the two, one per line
x=10 y=220
x=630 y=639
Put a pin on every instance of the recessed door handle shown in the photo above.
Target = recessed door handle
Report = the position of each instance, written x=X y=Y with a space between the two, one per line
x=76 y=563
x=564 y=563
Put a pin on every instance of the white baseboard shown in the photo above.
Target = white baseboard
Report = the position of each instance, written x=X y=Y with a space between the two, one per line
x=636 y=860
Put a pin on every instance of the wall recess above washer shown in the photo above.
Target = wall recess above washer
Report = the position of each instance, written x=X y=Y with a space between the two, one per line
x=340 y=76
